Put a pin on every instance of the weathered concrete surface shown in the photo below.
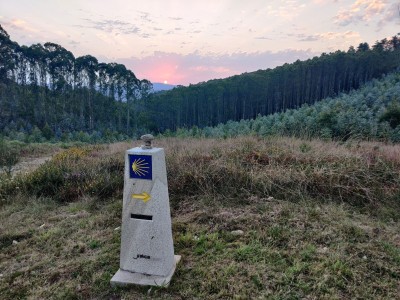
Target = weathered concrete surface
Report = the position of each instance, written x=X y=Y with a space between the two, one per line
x=147 y=251
x=126 y=278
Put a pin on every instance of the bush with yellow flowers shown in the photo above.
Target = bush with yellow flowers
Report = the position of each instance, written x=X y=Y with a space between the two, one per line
x=71 y=174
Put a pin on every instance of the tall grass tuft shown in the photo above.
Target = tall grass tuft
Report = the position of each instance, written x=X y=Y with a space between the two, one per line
x=285 y=168
x=71 y=174
x=362 y=174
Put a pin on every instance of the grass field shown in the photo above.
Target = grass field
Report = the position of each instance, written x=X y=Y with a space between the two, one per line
x=320 y=220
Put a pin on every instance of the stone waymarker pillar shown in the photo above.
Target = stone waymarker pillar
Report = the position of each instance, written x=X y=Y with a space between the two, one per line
x=147 y=250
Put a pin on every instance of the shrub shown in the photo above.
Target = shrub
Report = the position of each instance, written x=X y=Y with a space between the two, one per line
x=9 y=156
x=71 y=174
x=392 y=115
x=47 y=132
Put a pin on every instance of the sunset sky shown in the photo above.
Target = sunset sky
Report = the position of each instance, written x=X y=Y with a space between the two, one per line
x=182 y=42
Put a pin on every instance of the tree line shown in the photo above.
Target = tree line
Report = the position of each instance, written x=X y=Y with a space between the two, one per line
x=47 y=93
x=269 y=91
x=369 y=113
x=45 y=87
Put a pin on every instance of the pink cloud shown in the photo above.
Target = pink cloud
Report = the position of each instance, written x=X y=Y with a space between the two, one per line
x=363 y=11
x=193 y=68
x=19 y=24
x=212 y=69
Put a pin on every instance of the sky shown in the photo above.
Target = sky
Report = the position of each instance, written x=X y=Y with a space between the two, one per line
x=188 y=41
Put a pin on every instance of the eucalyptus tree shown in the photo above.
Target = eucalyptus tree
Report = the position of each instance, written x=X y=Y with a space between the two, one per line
x=36 y=56
x=61 y=65
x=86 y=68
x=8 y=67
x=132 y=87
x=362 y=47
x=7 y=48
x=395 y=42
x=120 y=78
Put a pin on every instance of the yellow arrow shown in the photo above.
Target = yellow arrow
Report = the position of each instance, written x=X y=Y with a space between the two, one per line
x=143 y=196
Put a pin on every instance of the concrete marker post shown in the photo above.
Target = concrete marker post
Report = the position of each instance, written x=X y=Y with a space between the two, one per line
x=147 y=250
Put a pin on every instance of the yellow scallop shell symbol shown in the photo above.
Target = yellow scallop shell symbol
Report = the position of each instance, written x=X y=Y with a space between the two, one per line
x=140 y=167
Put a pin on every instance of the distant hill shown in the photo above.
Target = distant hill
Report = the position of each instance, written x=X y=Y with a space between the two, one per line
x=269 y=91
x=371 y=112
x=48 y=93
x=158 y=86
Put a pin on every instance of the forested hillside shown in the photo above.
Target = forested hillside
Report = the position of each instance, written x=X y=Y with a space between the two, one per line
x=372 y=112
x=45 y=92
x=268 y=91
x=48 y=94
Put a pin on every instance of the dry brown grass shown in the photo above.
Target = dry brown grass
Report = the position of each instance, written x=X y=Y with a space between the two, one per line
x=320 y=221
x=365 y=174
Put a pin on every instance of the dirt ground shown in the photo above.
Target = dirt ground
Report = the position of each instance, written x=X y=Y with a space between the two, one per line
x=28 y=164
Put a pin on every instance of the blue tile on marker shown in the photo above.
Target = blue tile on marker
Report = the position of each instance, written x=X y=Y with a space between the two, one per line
x=140 y=167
